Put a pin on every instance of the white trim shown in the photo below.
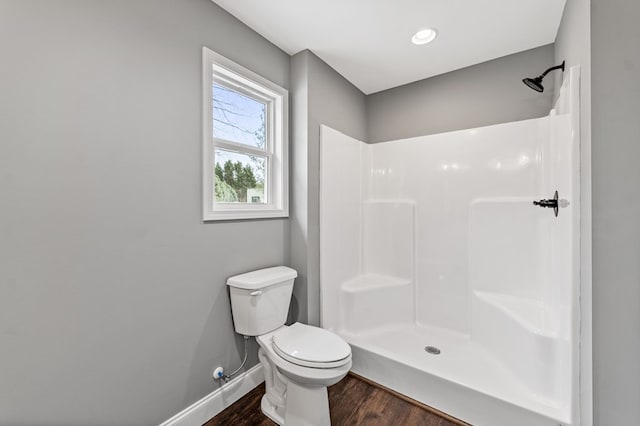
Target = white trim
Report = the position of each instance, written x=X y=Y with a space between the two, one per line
x=217 y=67
x=208 y=407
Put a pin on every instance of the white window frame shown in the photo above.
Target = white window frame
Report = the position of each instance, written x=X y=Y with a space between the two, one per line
x=217 y=68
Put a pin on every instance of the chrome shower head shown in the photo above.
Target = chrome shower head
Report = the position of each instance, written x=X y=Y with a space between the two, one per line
x=536 y=83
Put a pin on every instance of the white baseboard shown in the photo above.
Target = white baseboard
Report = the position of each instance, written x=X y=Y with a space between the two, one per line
x=200 y=412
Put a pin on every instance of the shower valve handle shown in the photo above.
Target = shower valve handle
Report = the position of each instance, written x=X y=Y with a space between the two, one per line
x=551 y=203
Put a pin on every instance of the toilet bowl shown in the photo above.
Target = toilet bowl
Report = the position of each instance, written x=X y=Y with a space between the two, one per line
x=299 y=361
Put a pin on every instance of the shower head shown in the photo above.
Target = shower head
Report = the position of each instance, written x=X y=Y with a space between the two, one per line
x=536 y=83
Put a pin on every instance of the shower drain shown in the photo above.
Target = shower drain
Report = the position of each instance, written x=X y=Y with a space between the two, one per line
x=432 y=350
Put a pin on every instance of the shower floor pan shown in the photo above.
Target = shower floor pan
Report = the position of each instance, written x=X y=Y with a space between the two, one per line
x=463 y=380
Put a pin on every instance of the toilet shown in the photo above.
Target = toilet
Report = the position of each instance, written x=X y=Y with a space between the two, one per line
x=299 y=361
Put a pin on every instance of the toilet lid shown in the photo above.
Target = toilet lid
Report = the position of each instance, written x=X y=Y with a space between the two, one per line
x=310 y=345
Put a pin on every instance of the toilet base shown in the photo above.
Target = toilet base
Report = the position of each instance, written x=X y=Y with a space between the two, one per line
x=270 y=410
x=307 y=406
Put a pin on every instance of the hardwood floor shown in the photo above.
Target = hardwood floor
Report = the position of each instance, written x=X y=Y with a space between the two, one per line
x=352 y=401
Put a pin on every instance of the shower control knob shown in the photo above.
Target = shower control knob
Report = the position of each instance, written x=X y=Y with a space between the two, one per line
x=546 y=203
x=551 y=203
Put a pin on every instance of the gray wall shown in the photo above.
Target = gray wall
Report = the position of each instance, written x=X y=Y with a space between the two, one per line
x=320 y=96
x=113 y=306
x=616 y=210
x=573 y=45
x=488 y=93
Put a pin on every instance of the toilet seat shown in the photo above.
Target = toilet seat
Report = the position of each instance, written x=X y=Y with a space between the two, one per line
x=310 y=346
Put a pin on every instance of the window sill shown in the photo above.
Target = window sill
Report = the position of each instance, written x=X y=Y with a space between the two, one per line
x=244 y=215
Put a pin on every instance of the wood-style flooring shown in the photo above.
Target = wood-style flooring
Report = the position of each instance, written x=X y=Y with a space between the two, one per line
x=352 y=401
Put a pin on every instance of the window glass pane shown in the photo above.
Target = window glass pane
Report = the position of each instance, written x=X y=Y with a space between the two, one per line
x=238 y=118
x=239 y=178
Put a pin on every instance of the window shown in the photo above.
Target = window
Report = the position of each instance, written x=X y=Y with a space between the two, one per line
x=245 y=143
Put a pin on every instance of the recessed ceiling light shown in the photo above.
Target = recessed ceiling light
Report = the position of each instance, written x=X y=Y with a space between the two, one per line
x=424 y=36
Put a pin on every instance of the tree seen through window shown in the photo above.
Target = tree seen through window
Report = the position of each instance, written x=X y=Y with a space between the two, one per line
x=239 y=177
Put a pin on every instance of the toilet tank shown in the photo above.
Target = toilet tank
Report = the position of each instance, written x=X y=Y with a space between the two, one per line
x=260 y=299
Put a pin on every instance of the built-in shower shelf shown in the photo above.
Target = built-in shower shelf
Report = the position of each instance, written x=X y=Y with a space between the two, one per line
x=372 y=300
x=535 y=316
x=368 y=282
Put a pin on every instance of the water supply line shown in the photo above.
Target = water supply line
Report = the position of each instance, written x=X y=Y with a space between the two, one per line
x=226 y=377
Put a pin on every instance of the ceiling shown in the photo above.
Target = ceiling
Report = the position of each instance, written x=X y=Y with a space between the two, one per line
x=368 y=41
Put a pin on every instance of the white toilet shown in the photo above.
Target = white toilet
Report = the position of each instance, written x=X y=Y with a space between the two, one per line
x=299 y=361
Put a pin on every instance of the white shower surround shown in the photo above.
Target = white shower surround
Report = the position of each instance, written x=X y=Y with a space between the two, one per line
x=434 y=241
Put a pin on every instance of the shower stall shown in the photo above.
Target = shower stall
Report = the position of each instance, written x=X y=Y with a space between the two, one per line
x=450 y=284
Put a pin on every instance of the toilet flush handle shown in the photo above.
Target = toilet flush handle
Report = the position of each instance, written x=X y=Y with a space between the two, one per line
x=255 y=293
